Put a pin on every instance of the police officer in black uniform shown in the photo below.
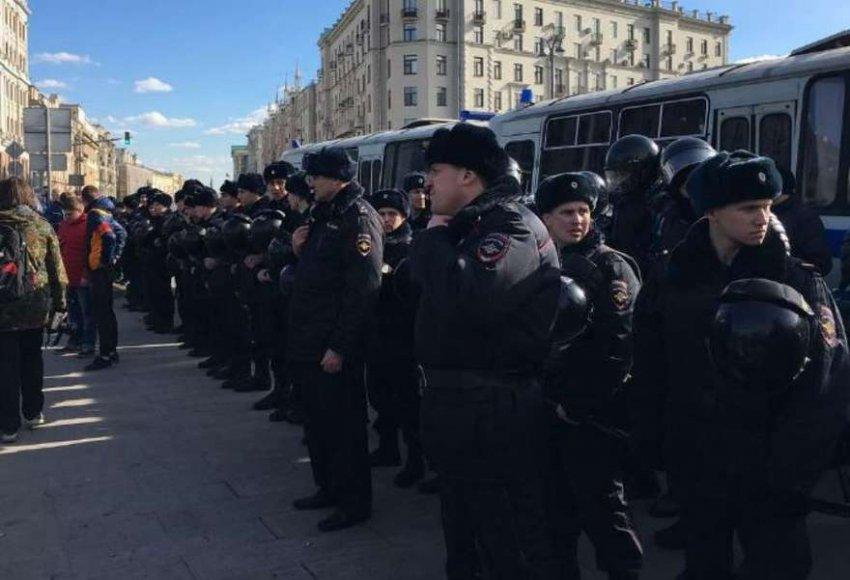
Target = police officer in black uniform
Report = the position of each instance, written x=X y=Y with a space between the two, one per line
x=583 y=379
x=336 y=286
x=154 y=260
x=420 y=204
x=631 y=171
x=747 y=466
x=392 y=373
x=490 y=283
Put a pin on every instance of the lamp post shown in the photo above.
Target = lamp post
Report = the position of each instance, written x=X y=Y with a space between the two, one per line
x=550 y=46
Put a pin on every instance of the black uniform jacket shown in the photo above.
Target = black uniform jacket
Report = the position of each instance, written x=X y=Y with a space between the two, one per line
x=586 y=376
x=490 y=284
x=337 y=280
x=806 y=233
x=709 y=445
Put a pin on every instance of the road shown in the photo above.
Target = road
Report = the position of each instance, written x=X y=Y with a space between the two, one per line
x=150 y=470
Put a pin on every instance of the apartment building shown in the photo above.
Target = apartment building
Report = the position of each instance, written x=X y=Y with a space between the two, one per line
x=14 y=76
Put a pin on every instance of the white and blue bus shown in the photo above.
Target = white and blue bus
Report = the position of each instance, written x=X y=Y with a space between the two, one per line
x=794 y=109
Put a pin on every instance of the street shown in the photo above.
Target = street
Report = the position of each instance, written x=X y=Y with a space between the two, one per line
x=150 y=470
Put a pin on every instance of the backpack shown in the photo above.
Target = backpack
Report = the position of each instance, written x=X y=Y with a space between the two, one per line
x=15 y=279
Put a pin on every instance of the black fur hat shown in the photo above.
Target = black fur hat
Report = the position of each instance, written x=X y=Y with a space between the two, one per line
x=469 y=146
x=733 y=178
x=331 y=162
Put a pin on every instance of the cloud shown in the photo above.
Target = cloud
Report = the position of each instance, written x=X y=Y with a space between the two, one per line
x=241 y=125
x=152 y=85
x=62 y=58
x=761 y=57
x=157 y=120
x=186 y=145
x=48 y=84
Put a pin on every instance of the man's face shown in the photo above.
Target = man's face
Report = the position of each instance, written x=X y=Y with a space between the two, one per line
x=299 y=204
x=277 y=188
x=228 y=201
x=418 y=199
x=391 y=219
x=569 y=223
x=745 y=223
x=157 y=209
x=447 y=186
x=324 y=188
x=246 y=197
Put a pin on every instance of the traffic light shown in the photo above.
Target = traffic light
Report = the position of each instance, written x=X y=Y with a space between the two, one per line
x=127 y=138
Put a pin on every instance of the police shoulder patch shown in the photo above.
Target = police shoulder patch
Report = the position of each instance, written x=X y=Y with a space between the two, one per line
x=364 y=244
x=620 y=295
x=828 y=326
x=493 y=248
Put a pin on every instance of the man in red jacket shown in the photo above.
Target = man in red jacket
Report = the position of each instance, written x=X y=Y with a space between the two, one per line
x=72 y=243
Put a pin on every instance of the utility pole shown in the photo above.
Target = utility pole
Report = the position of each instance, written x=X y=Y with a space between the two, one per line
x=49 y=152
x=550 y=47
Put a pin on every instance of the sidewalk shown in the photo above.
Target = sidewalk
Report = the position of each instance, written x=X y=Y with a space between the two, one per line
x=150 y=470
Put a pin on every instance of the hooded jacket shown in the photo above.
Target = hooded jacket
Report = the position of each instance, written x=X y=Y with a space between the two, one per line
x=105 y=236
x=48 y=273
x=72 y=241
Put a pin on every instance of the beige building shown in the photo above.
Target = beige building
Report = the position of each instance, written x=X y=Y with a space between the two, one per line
x=240 y=157
x=132 y=175
x=14 y=77
x=386 y=63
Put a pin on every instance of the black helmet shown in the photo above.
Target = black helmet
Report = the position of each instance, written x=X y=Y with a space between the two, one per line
x=631 y=165
x=192 y=240
x=176 y=247
x=266 y=226
x=215 y=244
x=286 y=281
x=415 y=180
x=173 y=223
x=574 y=312
x=680 y=158
x=236 y=232
x=760 y=336
x=279 y=253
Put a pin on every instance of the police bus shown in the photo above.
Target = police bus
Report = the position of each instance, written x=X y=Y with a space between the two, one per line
x=794 y=109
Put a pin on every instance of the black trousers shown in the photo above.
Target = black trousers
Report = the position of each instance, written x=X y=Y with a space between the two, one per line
x=21 y=377
x=773 y=536
x=239 y=331
x=103 y=310
x=485 y=434
x=585 y=493
x=161 y=298
x=261 y=321
x=335 y=427
x=394 y=394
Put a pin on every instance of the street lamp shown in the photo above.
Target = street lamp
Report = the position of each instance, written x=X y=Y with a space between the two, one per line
x=550 y=46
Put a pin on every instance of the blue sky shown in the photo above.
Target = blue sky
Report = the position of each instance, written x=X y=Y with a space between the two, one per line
x=187 y=77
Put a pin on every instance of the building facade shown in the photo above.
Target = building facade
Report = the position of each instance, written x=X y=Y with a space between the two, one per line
x=132 y=175
x=14 y=78
x=239 y=156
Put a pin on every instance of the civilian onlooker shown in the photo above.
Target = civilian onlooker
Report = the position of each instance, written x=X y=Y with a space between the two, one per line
x=104 y=241
x=32 y=283
x=53 y=209
x=72 y=241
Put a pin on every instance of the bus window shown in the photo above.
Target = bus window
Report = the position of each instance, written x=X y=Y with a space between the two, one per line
x=354 y=153
x=682 y=118
x=561 y=132
x=556 y=161
x=523 y=153
x=640 y=121
x=594 y=129
x=735 y=134
x=376 y=175
x=775 y=138
x=390 y=154
x=821 y=141
x=366 y=176
x=409 y=157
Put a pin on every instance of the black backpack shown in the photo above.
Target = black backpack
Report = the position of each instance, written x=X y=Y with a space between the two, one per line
x=14 y=265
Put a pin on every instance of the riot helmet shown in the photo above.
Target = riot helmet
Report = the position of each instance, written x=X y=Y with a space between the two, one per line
x=631 y=165
x=236 y=231
x=215 y=244
x=573 y=317
x=681 y=157
x=266 y=226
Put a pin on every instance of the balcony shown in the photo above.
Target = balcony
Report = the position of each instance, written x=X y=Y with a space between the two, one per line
x=409 y=13
x=631 y=45
x=442 y=14
x=518 y=26
x=596 y=38
x=479 y=17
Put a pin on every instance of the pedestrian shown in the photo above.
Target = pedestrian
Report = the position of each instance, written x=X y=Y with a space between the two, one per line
x=53 y=208
x=489 y=281
x=392 y=374
x=32 y=286
x=585 y=491
x=105 y=240
x=72 y=242
x=746 y=467
x=336 y=286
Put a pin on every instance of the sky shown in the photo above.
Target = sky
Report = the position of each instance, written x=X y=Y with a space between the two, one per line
x=189 y=77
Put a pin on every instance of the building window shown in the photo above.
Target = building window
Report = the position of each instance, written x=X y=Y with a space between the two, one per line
x=389 y=68
x=614 y=29
x=690 y=44
x=579 y=29
x=441 y=32
x=409 y=33
x=497 y=70
x=410 y=5
x=410 y=64
x=631 y=81
x=478 y=35
x=670 y=63
x=538 y=75
x=703 y=49
x=442 y=96
x=497 y=100
x=479 y=98
x=718 y=49
x=690 y=66
x=613 y=56
x=410 y=97
x=647 y=36
x=538 y=17
x=478 y=66
x=579 y=51
x=559 y=19
x=631 y=31
x=612 y=82
x=517 y=12
x=518 y=73
x=646 y=61
x=518 y=42
x=497 y=4
x=442 y=66
x=389 y=99
x=597 y=26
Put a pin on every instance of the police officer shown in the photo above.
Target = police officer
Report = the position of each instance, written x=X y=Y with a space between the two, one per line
x=631 y=171
x=154 y=258
x=392 y=373
x=733 y=471
x=420 y=204
x=338 y=277
x=489 y=278
x=275 y=175
x=203 y=212
x=586 y=490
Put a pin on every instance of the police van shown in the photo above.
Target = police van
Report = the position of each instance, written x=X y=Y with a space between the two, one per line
x=794 y=109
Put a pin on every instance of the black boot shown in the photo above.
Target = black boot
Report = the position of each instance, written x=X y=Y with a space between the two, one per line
x=387 y=454
x=319 y=500
x=253 y=385
x=267 y=403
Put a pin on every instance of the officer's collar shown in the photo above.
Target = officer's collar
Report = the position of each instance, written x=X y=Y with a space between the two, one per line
x=503 y=190
x=344 y=199
x=591 y=242
x=401 y=234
